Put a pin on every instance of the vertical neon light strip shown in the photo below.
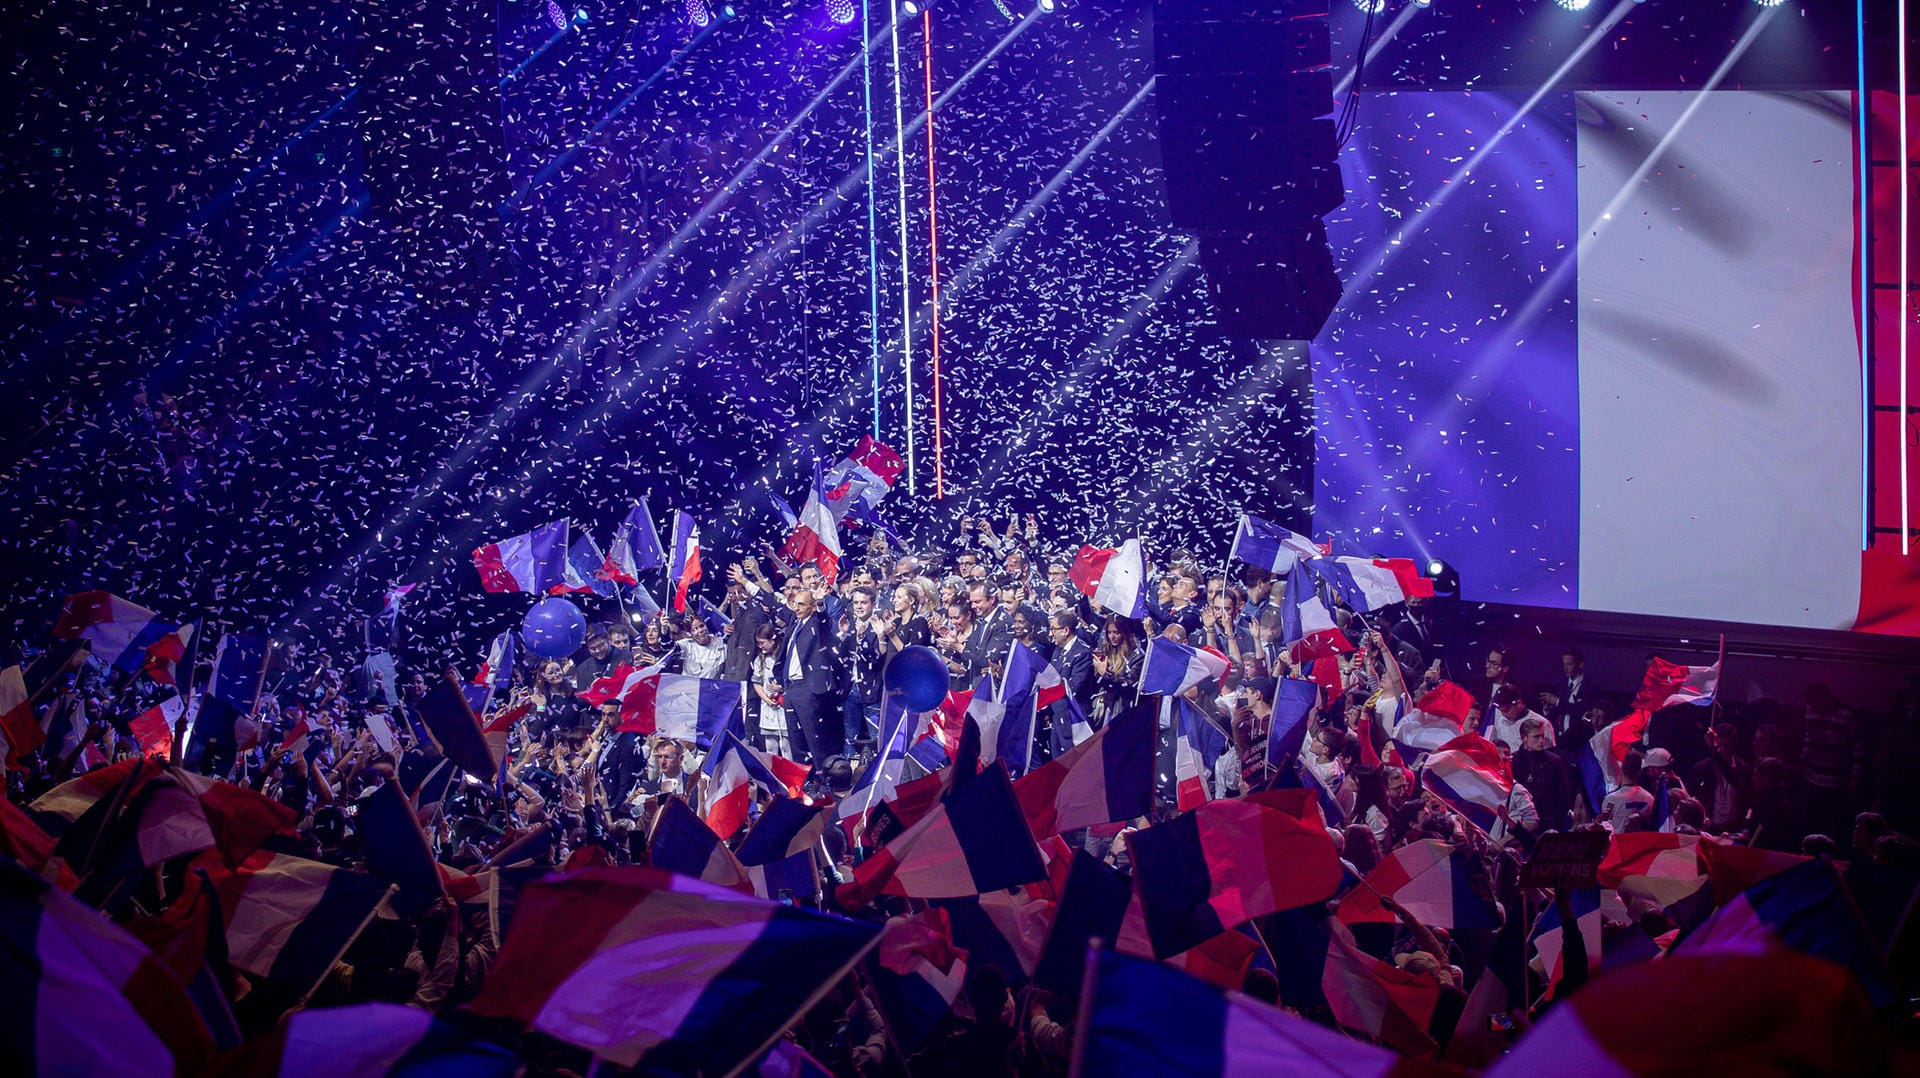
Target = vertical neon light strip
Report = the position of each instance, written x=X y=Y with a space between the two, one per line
x=933 y=261
x=1863 y=118
x=906 y=297
x=873 y=227
x=1900 y=102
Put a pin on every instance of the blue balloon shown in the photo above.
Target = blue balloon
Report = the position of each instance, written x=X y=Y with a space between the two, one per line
x=918 y=674
x=554 y=629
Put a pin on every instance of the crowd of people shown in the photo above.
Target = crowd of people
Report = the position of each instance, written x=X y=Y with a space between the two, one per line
x=812 y=648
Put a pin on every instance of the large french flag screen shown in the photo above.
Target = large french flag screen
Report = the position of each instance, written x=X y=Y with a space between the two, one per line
x=1598 y=350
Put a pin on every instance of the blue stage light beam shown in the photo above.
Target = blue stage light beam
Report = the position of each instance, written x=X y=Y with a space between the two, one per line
x=566 y=156
x=137 y=267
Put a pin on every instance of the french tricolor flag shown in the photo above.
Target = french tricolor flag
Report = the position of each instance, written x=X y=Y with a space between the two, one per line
x=1198 y=750
x=1149 y=1018
x=815 y=538
x=1008 y=718
x=974 y=841
x=1372 y=584
x=1172 y=668
x=1114 y=579
x=683 y=564
x=580 y=572
x=1270 y=546
x=635 y=549
x=1306 y=624
x=644 y=967
x=1433 y=720
x=1468 y=774
x=1107 y=777
x=20 y=732
x=496 y=672
x=684 y=708
x=118 y=632
x=373 y=1038
x=1430 y=879
x=679 y=842
x=534 y=562
x=1666 y=684
x=732 y=770
x=857 y=484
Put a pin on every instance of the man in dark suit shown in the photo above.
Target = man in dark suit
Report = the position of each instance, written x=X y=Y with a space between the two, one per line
x=992 y=631
x=1575 y=694
x=810 y=676
x=1073 y=659
x=1419 y=627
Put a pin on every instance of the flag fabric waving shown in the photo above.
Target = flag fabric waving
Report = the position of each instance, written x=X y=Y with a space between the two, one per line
x=1369 y=584
x=974 y=841
x=1270 y=546
x=20 y=732
x=916 y=974
x=855 y=486
x=165 y=655
x=370 y=1038
x=533 y=562
x=685 y=708
x=289 y=918
x=815 y=537
x=635 y=549
x=1212 y=869
x=732 y=770
x=680 y=842
x=1430 y=879
x=1106 y=778
x=1469 y=775
x=644 y=967
x=1171 y=668
x=1306 y=625
x=683 y=564
x=1666 y=684
x=1113 y=579
x=1148 y=1018
x=581 y=571
x=117 y=631
x=1197 y=750
x=84 y=996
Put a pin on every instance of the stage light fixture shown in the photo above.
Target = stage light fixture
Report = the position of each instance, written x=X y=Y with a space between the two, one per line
x=1421 y=3
x=1769 y=3
x=1046 y=7
x=841 y=11
x=1371 y=7
x=580 y=18
x=1574 y=5
x=914 y=7
x=698 y=13
x=1446 y=579
x=556 y=15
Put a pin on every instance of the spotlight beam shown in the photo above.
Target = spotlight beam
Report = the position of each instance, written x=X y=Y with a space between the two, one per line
x=1492 y=354
x=1379 y=43
x=1024 y=216
x=516 y=406
x=1067 y=388
x=566 y=156
x=1418 y=222
x=137 y=267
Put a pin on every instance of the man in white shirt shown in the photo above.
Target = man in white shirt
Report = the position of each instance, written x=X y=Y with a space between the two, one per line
x=1509 y=712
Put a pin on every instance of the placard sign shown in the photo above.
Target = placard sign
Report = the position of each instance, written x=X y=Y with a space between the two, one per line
x=1565 y=859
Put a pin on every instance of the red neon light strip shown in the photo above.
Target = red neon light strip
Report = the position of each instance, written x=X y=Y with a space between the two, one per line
x=933 y=254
